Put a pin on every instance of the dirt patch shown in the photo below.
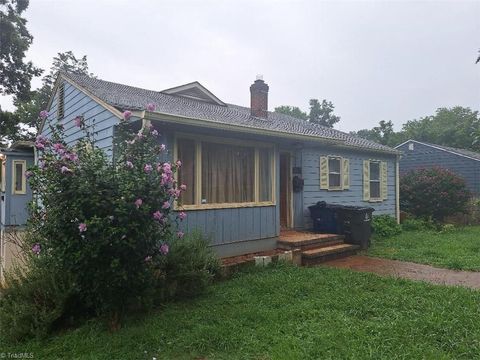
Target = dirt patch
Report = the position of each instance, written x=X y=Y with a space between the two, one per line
x=408 y=270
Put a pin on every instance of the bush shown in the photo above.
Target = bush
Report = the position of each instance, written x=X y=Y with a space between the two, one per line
x=31 y=305
x=385 y=226
x=103 y=237
x=190 y=267
x=418 y=225
x=433 y=192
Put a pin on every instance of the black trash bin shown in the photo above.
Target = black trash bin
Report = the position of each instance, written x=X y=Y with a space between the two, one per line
x=355 y=222
x=324 y=217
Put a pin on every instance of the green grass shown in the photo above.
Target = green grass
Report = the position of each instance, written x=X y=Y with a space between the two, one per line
x=459 y=249
x=290 y=313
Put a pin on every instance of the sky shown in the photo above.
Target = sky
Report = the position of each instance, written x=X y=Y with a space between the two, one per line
x=375 y=60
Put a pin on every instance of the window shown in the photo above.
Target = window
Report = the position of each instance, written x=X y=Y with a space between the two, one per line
x=374 y=180
x=61 y=101
x=334 y=173
x=221 y=174
x=19 y=182
x=411 y=146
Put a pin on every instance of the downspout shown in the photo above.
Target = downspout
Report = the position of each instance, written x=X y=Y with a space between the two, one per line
x=397 y=189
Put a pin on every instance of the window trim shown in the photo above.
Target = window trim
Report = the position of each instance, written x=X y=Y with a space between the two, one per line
x=3 y=173
x=379 y=198
x=340 y=159
x=198 y=171
x=23 y=191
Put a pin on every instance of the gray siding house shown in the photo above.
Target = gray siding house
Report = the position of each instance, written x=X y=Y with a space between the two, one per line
x=464 y=163
x=250 y=173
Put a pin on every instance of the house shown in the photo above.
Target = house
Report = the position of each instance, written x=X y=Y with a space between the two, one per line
x=464 y=163
x=14 y=197
x=251 y=173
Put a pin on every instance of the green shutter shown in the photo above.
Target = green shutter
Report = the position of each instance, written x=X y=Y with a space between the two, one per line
x=324 y=172
x=346 y=174
x=383 y=180
x=366 y=180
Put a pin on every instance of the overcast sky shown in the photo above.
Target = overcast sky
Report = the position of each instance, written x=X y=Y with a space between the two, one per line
x=377 y=60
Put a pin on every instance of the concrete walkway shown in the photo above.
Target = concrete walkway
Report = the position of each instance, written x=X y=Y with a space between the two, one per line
x=408 y=270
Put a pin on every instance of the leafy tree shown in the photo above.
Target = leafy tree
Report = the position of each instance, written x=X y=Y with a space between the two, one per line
x=292 y=111
x=28 y=110
x=382 y=134
x=9 y=126
x=322 y=113
x=15 y=73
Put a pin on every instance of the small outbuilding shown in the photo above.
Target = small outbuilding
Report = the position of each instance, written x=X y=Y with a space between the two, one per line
x=15 y=194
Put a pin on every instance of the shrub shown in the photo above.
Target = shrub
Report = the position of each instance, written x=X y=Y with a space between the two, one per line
x=103 y=222
x=433 y=192
x=418 y=225
x=32 y=304
x=385 y=226
x=188 y=270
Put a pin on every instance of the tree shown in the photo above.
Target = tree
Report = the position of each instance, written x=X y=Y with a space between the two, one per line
x=28 y=110
x=382 y=134
x=15 y=73
x=292 y=111
x=322 y=113
x=9 y=127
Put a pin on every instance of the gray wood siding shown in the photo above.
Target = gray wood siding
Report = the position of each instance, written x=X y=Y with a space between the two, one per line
x=423 y=156
x=98 y=119
x=354 y=195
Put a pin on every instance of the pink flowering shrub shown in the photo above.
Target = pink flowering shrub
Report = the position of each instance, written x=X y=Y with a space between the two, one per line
x=109 y=224
x=433 y=193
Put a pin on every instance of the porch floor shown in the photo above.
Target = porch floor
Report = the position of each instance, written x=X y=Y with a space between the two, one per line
x=294 y=237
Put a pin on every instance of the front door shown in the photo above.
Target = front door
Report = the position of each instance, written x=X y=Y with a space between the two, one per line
x=285 y=191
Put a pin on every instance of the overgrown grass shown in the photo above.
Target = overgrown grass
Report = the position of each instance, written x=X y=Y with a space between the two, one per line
x=457 y=249
x=290 y=313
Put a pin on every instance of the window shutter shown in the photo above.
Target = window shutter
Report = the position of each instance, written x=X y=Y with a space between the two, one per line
x=324 y=172
x=383 y=180
x=346 y=174
x=366 y=180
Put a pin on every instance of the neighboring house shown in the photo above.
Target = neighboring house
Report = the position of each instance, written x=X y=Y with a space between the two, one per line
x=14 y=197
x=464 y=163
x=243 y=166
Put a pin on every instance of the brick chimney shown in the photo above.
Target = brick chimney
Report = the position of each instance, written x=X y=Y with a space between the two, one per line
x=259 y=98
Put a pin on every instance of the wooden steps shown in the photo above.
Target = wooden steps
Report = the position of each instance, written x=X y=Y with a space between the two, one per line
x=316 y=248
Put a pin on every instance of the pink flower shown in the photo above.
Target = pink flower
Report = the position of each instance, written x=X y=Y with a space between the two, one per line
x=78 y=121
x=127 y=114
x=148 y=258
x=41 y=164
x=147 y=168
x=40 y=142
x=180 y=234
x=36 y=248
x=183 y=187
x=163 y=147
x=179 y=163
x=155 y=132
x=129 y=164
x=65 y=170
x=164 y=249
x=82 y=227
x=182 y=215
x=157 y=215
x=138 y=203
x=166 y=205
x=28 y=174
x=59 y=148
x=43 y=114
x=151 y=107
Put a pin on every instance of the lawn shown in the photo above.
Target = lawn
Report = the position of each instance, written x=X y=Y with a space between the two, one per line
x=290 y=313
x=459 y=249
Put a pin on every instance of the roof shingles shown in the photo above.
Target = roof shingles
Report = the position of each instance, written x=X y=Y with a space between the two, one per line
x=132 y=98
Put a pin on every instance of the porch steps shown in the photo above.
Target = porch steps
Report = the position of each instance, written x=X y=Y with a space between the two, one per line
x=319 y=255
x=316 y=248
